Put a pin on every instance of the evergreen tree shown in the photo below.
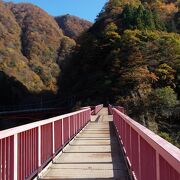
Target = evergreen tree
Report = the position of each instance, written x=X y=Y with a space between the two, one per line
x=139 y=17
x=148 y=19
x=177 y=21
x=158 y=23
x=128 y=17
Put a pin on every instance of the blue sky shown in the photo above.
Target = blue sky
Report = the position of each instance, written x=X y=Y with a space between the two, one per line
x=86 y=9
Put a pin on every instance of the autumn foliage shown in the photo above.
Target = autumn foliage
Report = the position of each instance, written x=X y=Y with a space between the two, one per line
x=130 y=57
x=72 y=26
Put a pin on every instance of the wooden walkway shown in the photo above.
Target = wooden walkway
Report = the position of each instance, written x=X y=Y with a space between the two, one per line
x=93 y=154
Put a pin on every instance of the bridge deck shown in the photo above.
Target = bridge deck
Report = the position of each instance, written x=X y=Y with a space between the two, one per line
x=93 y=154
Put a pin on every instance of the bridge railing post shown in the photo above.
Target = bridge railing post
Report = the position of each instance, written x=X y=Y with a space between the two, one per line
x=69 y=123
x=149 y=156
x=25 y=150
x=15 y=157
x=39 y=146
x=157 y=166
x=62 y=131
x=53 y=139
x=139 y=159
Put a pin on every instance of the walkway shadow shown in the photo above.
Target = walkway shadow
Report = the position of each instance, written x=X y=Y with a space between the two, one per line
x=86 y=179
x=117 y=156
x=95 y=118
x=103 y=158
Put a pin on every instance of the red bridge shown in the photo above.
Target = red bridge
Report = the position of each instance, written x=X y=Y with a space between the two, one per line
x=87 y=144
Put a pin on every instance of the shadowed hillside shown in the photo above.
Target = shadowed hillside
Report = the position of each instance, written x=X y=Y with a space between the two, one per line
x=131 y=57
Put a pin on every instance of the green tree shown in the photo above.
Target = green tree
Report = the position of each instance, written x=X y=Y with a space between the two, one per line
x=111 y=35
x=164 y=97
x=166 y=75
x=159 y=24
x=139 y=17
x=128 y=17
x=149 y=19
x=177 y=21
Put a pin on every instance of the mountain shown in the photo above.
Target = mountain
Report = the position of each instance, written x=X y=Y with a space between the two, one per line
x=123 y=32
x=72 y=26
x=39 y=42
x=32 y=47
x=131 y=57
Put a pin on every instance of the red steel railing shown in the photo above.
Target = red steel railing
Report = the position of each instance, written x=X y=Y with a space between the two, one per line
x=26 y=149
x=119 y=108
x=149 y=156
x=96 y=109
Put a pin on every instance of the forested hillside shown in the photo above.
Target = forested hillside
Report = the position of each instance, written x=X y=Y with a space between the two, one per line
x=131 y=57
x=72 y=26
x=32 y=50
x=29 y=43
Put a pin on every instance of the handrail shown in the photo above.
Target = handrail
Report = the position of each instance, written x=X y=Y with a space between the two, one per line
x=97 y=108
x=26 y=149
x=150 y=157
x=15 y=130
x=110 y=107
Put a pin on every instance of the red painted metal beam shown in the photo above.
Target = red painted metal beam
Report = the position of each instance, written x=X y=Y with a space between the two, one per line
x=150 y=157
x=26 y=149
